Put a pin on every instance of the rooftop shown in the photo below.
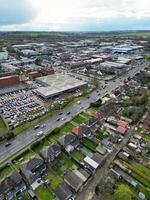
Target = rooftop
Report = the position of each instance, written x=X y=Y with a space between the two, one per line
x=57 y=83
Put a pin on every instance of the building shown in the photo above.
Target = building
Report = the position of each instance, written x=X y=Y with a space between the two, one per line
x=91 y=162
x=63 y=192
x=3 y=56
x=51 y=152
x=56 y=84
x=146 y=122
x=33 y=169
x=9 y=80
x=73 y=180
x=11 y=186
x=34 y=74
x=47 y=71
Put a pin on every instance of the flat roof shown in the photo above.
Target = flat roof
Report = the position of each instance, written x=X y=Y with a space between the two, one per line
x=91 y=162
x=57 y=83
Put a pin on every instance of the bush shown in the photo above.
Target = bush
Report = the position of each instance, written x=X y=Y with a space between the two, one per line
x=97 y=104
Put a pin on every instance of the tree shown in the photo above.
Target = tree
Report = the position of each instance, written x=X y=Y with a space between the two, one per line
x=123 y=192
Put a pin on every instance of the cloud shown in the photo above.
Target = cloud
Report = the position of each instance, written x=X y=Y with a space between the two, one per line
x=64 y=15
x=16 y=12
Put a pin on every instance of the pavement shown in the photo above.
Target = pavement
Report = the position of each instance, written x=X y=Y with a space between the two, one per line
x=27 y=137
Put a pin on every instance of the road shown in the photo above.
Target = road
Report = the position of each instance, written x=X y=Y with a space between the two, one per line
x=28 y=136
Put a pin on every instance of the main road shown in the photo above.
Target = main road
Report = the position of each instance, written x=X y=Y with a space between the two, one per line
x=27 y=137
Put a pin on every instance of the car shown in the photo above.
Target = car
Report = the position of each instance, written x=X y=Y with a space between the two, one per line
x=36 y=127
x=7 y=144
x=68 y=113
x=88 y=97
x=63 y=119
x=40 y=134
x=81 y=107
x=60 y=113
x=58 y=119
x=79 y=102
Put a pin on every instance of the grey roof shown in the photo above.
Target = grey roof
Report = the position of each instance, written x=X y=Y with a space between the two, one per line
x=35 y=164
x=98 y=158
x=67 y=139
x=84 y=129
x=63 y=192
x=51 y=150
x=73 y=180
x=10 y=182
x=91 y=121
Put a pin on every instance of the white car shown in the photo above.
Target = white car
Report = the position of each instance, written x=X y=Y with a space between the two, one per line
x=40 y=134
x=63 y=119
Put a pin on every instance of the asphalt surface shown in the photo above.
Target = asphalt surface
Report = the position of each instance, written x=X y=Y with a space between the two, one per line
x=28 y=136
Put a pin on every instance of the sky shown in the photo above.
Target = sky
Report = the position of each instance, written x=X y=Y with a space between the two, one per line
x=74 y=15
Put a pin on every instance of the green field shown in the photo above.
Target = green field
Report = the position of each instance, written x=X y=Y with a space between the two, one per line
x=79 y=119
x=89 y=144
x=101 y=134
x=67 y=162
x=54 y=182
x=5 y=171
x=37 y=147
x=44 y=193
x=78 y=156
x=140 y=172
x=3 y=128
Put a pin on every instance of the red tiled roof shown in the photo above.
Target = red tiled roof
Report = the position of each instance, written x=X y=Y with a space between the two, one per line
x=122 y=123
x=75 y=131
x=121 y=129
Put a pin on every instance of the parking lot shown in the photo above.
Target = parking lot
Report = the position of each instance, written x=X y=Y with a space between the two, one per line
x=20 y=107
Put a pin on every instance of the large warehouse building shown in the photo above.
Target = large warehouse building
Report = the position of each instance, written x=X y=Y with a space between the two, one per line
x=56 y=84
x=9 y=80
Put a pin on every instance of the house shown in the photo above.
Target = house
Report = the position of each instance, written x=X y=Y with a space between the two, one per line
x=63 y=192
x=100 y=159
x=105 y=111
x=66 y=140
x=121 y=130
x=92 y=124
x=51 y=152
x=122 y=123
x=11 y=186
x=33 y=169
x=113 y=138
x=146 y=122
x=69 y=142
x=73 y=180
x=82 y=131
x=105 y=142
x=76 y=131
x=85 y=130
x=92 y=163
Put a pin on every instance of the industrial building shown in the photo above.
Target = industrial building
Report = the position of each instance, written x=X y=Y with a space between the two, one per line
x=9 y=80
x=56 y=84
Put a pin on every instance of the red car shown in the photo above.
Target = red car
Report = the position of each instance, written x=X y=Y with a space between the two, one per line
x=60 y=113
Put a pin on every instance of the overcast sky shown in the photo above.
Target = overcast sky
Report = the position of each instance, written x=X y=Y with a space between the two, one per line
x=74 y=15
